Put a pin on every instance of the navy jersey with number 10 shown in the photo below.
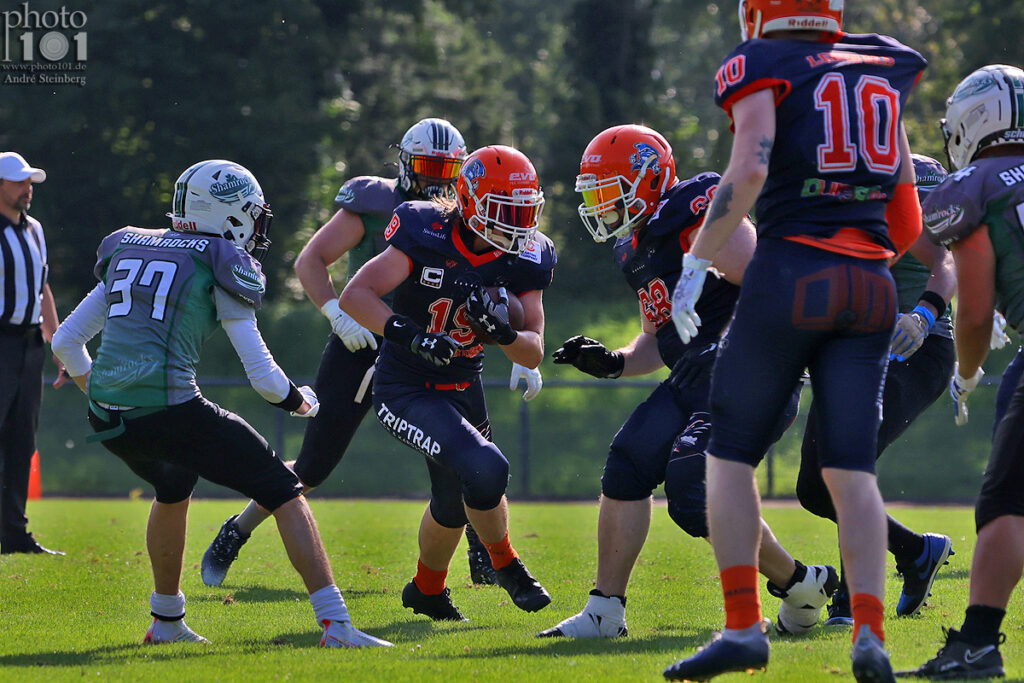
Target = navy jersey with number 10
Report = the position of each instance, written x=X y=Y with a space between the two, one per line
x=836 y=156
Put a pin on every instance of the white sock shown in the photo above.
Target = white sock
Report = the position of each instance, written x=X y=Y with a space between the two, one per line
x=167 y=606
x=329 y=604
x=250 y=518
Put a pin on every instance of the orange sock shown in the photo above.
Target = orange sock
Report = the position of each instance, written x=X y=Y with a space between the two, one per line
x=867 y=611
x=502 y=553
x=429 y=581
x=742 y=601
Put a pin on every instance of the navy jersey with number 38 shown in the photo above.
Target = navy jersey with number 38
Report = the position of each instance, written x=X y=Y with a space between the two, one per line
x=651 y=260
x=836 y=156
x=439 y=253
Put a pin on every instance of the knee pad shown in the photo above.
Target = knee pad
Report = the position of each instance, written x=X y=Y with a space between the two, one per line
x=685 y=477
x=632 y=470
x=449 y=513
x=175 y=486
x=487 y=485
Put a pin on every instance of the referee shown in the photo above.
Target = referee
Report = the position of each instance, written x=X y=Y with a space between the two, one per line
x=27 y=317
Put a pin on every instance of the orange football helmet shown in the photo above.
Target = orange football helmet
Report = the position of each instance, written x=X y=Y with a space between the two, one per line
x=499 y=197
x=758 y=17
x=623 y=173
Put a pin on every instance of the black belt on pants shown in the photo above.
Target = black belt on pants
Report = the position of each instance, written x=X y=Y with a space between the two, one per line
x=12 y=330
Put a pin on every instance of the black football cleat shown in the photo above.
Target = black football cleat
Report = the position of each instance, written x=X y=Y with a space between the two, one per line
x=869 y=659
x=745 y=650
x=24 y=543
x=525 y=591
x=480 y=570
x=960 y=659
x=222 y=552
x=437 y=607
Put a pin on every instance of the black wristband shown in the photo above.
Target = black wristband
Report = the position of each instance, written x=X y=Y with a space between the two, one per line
x=620 y=363
x=293 y=401
x=401 y=330
x=930 y=297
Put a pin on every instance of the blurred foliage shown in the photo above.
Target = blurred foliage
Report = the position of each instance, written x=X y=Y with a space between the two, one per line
x=311 y=92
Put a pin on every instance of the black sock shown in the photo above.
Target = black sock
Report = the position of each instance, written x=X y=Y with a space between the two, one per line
x=981 y=625
x=904 y=544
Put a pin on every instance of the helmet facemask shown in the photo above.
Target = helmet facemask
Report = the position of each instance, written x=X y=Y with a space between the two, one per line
x=611 y=207
x=507 y=223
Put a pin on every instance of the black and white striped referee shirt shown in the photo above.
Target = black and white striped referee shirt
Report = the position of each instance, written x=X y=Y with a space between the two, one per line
x=23 y=271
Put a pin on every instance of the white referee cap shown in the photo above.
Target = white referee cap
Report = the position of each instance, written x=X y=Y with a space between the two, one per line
x=14 y=167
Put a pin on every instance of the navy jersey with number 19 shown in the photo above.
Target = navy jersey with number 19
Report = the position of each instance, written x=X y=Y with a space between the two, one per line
x=438 y=254
x=836 y=156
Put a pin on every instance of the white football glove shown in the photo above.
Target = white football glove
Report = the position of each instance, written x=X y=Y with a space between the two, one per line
x=999 y=336
x=685 y=295
x=353 y=335
x=309 y=396
x=534 y=381
x=960 y=389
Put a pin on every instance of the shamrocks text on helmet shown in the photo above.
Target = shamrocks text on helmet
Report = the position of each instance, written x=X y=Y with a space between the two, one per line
x=219 y=197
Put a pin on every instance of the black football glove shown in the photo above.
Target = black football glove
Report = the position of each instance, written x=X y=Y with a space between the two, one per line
x=437 y=348
x=589 y=356
x=491 y=316
x=694 y=367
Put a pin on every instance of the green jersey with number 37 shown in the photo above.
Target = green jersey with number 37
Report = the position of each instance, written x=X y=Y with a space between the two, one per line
x=165 y=293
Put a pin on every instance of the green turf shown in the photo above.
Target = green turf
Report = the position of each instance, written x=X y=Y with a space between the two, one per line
x=83 y=616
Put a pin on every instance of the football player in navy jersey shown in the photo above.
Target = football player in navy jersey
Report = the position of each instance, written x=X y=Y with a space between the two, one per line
x=978 y=213
x=443 y=261
x=631 y=194
x=819 y=145
x=920 y=366
x=429 y=158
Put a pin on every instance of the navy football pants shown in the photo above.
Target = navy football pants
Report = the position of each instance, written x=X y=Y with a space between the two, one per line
x=451 y=430
x=802 y=307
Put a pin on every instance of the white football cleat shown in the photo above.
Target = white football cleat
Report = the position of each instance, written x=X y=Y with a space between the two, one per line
x=344 y=634
x=601 y=618
x=171 y=632
x=802 y=603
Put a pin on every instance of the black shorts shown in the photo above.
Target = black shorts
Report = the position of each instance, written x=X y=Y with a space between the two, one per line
x=172 y=447
x=343 y=389
x=1004 y=476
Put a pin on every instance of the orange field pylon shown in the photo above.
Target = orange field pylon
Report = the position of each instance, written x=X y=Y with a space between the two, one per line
x=35 y=482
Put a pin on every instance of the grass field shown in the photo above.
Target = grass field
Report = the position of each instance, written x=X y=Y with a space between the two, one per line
x=83 y=616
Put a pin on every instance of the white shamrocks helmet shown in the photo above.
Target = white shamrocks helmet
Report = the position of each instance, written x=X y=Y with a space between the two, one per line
x=431 y=151
x=985 y=110
x=219 y=197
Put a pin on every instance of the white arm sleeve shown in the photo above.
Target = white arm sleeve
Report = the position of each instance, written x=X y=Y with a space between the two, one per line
x=264 y=374
x=84 y=323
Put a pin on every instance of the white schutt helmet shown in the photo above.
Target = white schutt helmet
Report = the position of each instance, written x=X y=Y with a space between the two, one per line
x=219 y=197
x=985 y=110
x=433 y=151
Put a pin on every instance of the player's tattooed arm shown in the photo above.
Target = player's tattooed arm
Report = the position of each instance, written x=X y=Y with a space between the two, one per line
x=764 y=152
x=720 y=206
